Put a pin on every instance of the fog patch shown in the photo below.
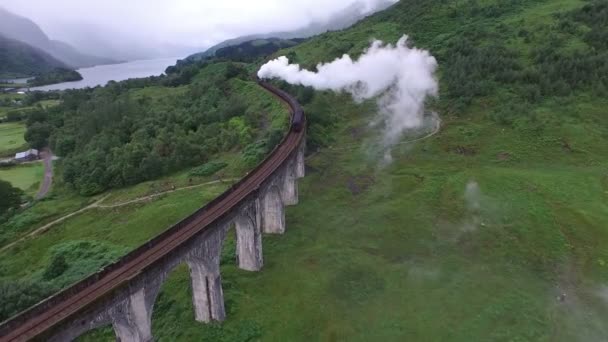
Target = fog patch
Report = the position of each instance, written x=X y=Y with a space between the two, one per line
x=579 y=308
x=602 y=293
x=422 y=273
x=474 y=200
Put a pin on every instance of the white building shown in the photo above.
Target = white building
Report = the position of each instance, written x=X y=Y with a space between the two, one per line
x=27 y=155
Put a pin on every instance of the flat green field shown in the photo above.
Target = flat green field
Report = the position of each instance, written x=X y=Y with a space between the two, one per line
x=26 y=177
x=11 y=136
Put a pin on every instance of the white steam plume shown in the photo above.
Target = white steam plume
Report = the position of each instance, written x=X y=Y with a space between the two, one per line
x=402 y=77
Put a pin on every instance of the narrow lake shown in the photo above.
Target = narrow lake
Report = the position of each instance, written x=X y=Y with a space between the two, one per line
x=100 y=75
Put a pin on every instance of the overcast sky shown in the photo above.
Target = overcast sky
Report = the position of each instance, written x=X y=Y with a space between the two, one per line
x=195 y=23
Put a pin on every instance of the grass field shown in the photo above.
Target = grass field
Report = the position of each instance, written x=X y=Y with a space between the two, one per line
x=26 y=177
x=61 y=201
x=8 y=97
x=12 y=96
x=11 y=137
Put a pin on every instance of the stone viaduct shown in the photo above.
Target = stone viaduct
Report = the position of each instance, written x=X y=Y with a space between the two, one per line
x=123 y=294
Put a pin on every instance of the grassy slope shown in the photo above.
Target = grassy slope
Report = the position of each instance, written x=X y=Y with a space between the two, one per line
x=11 y=136
x=58 y=203
x=127 y=227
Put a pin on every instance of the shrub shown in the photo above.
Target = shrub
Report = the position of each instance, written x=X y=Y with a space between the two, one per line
x=10 y=197
x=56 y=268
x=18 y=295
x=254 y=153
x=208 y=169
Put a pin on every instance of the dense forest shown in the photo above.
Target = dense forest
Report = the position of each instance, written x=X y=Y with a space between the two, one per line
x=57 y=75
x=252 y=50
x=118 y=135
x=472 y=67
x=10 y=198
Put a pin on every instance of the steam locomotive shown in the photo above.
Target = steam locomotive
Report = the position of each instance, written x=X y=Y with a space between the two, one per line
x=297 y=120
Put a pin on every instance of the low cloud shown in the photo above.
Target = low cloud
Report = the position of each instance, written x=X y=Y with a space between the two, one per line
x=175 y=25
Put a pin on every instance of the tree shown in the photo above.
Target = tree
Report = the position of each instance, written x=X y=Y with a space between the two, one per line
x=56 y=268
x=305 y=95
x=17 y=295
x=37 y=135
x=10 y=197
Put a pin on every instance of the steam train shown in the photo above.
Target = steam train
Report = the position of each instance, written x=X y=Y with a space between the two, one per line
x=298 y=120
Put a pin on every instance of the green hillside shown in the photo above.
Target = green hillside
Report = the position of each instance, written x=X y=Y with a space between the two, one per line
x=494 y=228
x=342 y=19
x=18 y=59
x=252 y=50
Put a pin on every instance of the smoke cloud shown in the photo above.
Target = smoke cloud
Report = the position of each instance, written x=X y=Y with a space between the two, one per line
x=401 y=77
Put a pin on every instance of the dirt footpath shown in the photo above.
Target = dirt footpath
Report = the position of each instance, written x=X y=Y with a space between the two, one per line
x=47 y=181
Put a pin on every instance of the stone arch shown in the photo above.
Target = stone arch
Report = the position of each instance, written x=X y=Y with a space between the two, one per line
x=172 y=271
x=87 y=324
x=133 y=322
x=273 y=216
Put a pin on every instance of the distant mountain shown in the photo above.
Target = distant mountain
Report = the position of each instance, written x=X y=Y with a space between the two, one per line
x=19 y=28
x=253 y=49
x=18 y=59
x=345 y=18
x=101 y=40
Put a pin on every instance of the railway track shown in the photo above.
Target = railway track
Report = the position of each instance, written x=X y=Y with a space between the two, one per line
x=41 y=318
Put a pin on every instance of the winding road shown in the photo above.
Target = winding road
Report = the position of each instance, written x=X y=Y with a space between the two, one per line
x=47 y=181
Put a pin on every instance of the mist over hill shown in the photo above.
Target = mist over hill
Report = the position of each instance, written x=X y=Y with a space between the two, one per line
x=19 y=28
x=102 y=41
x=343 y=19
x=19 y=59
x=149 y=29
